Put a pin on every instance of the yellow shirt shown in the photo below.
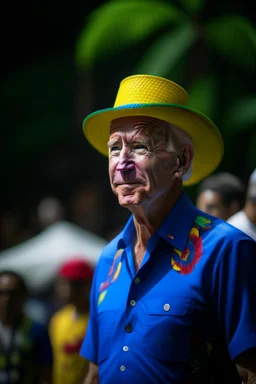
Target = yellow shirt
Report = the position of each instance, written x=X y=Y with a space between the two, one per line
x=67 y=333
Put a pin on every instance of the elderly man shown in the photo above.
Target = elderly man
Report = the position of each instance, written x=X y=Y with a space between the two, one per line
x=174 y=293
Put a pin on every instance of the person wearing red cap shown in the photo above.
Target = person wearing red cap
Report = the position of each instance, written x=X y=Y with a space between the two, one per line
x=68 y=325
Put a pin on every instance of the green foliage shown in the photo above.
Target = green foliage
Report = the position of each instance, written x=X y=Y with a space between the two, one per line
x=241 y=115
x=182 y=41
x=119 y=24
x=37 y=105
x=166 y=52
x=234 y=37
x=192 y=6
x=203 y=95
x=251 y=153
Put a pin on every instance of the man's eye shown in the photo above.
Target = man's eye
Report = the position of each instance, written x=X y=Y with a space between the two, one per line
x=140 y=146
x=114 y=148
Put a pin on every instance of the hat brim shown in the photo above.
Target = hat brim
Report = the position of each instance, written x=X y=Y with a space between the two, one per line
x=206 y=138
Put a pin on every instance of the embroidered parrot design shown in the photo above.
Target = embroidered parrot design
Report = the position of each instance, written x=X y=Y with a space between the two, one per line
x=184 y=262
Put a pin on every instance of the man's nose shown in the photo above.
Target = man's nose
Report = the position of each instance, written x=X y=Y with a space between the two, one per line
x=125 y=162
x=125 y=166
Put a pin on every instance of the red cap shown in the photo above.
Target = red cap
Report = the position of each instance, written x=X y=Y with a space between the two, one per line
x=76 y=269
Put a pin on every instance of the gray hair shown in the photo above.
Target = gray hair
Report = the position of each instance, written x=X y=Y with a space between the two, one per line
x=176 y=138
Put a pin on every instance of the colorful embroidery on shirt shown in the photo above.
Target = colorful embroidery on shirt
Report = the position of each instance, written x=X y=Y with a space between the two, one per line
x=113 y=274
x=184 y=262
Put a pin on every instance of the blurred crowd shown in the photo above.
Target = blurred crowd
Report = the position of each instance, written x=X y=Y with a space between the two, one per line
x=225 y=196
x=36 y=352
x=85 y=207
x=43 y=350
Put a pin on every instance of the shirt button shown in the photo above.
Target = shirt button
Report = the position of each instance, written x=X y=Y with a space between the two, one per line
x=122 y=368
x=128 y=328
x=133 y=303
x=137 y=280
x=125 y=348
x=167 y=307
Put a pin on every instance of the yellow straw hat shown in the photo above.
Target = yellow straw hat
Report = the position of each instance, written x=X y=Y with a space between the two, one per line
x=154 y=96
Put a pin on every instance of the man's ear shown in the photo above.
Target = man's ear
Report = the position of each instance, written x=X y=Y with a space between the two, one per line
x=185 y=159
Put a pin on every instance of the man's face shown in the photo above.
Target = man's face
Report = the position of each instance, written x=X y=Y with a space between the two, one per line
x=211 y=203
x=12 y=297
x=141 y=168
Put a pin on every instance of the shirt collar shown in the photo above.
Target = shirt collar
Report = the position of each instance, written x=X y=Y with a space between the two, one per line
x=127 y=234
x=175 y=229
x=177 y=226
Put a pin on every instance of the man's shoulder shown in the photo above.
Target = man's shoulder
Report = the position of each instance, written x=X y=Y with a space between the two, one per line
x=222 y=231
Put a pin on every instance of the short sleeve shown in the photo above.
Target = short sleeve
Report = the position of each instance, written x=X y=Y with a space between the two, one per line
x=234 y=296
x=43 y=348
x=89 y=349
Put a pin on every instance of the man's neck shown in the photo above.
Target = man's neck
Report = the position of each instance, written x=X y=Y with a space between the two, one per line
x=147 y=219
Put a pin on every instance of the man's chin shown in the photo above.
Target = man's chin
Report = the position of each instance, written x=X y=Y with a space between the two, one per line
x=128 y=200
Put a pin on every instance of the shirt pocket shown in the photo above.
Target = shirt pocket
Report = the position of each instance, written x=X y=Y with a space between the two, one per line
x=106 y=324
x=167 y=328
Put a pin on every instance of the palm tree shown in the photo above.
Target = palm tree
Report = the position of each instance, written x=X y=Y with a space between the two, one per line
x=213 y=57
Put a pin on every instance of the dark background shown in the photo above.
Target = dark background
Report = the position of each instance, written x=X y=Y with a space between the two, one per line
x=37 y=34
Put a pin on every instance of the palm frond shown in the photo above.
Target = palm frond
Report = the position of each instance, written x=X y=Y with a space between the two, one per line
x=241 y=115
x=119 y=24
x=203 y=95
x=192 y=6
x=167 y=51
x=234 y=37
x=44 y=112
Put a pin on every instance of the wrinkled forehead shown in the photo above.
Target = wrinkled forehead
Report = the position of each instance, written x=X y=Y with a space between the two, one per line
x=134 y=123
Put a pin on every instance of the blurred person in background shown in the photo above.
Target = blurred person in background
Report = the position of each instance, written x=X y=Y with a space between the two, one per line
x=25 y=349
x=86 y=207
x=245 y=219
x=221 y=195
x=50 y=210
x=13 y=229
x=9 y=230
x=68 y=325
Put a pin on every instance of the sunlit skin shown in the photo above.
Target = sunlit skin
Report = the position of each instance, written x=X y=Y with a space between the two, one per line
x=145 y=175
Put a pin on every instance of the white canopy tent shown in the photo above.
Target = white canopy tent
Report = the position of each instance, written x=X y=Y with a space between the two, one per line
x=39 y=258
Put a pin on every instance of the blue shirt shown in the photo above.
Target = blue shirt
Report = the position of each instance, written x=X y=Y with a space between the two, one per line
x=196 y=286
